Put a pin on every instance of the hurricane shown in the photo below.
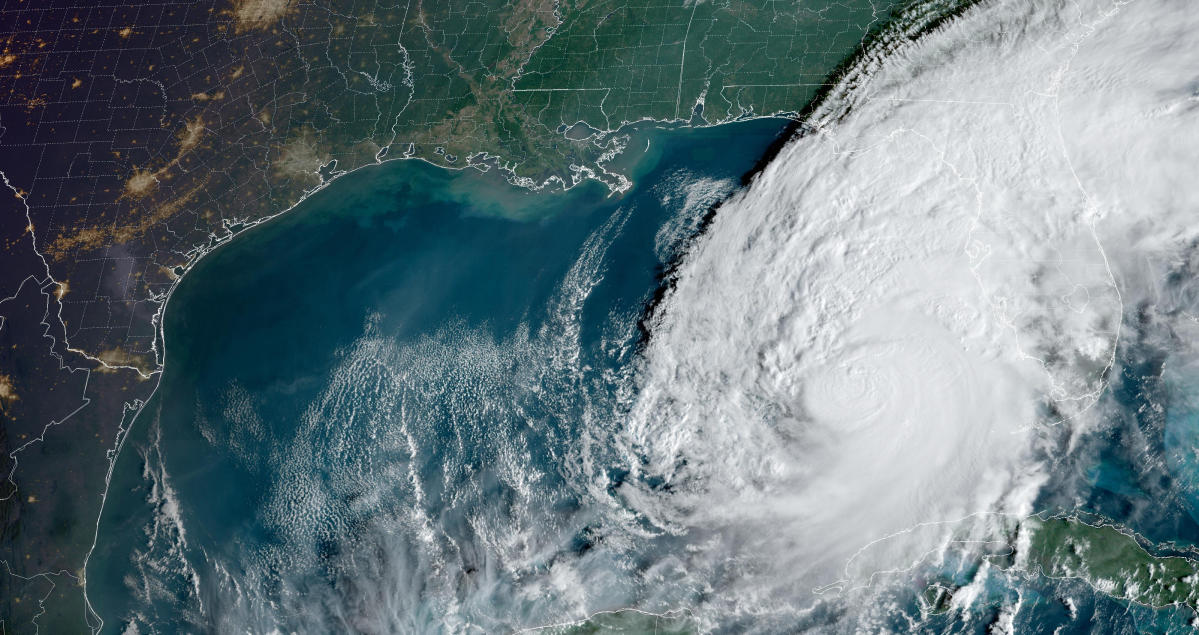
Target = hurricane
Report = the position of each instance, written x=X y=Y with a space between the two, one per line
x=863 y=369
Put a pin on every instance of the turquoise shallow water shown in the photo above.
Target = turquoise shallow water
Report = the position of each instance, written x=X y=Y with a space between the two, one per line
x=373 y=406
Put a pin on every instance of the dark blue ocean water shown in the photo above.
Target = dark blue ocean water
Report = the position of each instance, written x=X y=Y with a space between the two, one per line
x=356 y=427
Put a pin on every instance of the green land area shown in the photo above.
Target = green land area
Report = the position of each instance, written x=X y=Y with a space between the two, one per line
x=540 y=90
x=1111 y=561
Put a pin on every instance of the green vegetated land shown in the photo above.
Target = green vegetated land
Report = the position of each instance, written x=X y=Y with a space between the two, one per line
x=513 y=91
x=1111 y=561
x=617 y=62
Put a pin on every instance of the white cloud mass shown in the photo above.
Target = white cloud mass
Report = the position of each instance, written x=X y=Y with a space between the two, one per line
x=878 y=335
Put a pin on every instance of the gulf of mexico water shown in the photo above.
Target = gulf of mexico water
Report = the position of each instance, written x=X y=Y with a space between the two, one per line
x=386 y=410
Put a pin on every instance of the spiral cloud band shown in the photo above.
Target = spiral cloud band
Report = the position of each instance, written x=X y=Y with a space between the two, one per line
x=876 y=345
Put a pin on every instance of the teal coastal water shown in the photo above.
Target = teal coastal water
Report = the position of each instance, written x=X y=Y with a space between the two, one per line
x=375 y=410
